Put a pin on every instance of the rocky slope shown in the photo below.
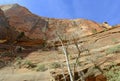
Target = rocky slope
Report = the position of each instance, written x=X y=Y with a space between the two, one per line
x=36 y=27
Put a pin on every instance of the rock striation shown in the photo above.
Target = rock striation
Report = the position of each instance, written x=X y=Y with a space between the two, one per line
x=41 y=28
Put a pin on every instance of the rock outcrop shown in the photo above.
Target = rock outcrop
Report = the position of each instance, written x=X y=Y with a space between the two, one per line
x=23 y=20
x=36 y=27
x=39 y=29
x=105 y=25
x=6 y=32
x=3 y=26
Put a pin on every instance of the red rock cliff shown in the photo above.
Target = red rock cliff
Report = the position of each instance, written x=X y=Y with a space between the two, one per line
x=36 y=27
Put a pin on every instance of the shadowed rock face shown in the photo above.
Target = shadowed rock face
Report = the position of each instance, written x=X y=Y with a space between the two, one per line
x=6 y=32
x=3 y=26
x=23 y=20
x=36 y=27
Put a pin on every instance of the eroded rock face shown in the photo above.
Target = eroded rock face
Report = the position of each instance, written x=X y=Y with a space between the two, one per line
x=23 y=20
x=76 y=27
x=3 y=26
x=105 y=25
x=6 y=32
x=36 y=27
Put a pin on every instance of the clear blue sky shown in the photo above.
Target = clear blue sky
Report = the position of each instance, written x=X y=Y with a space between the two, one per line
x=97 y=10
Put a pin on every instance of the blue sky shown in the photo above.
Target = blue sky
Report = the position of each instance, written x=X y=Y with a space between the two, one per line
x=97 y=10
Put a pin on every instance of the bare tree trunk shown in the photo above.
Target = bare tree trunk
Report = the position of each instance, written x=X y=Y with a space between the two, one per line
x=61 y=65
x=66 y=57
x=81 y=73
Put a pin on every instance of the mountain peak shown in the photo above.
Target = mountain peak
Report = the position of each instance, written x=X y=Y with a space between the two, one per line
x=8 y=6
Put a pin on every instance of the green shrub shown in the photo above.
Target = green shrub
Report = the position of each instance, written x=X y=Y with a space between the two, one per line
x=114 y=40
x=41 y=67
x=28 y=64
x=22 y=34
x=113 y=74
x=94 y=31
x=115 y=49
x=2 y=63
x=105 y=29
x=18 y=62
x=7 y=54
x=55 y=65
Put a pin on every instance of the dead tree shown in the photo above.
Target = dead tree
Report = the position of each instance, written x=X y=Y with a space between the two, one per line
x=66 y=57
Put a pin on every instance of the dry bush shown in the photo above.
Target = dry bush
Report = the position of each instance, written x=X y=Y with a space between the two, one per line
x=41 y=67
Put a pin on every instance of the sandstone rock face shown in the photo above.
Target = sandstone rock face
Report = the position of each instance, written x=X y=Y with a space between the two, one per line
x=41 y=28
x=3 y=26
x=76 y=27
x=23 y=20
x=6 y=32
